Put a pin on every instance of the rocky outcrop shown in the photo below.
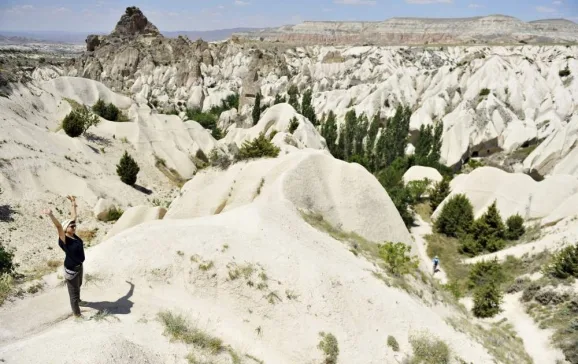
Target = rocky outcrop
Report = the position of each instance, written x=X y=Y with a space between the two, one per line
x=405 y=31
x=133 y=23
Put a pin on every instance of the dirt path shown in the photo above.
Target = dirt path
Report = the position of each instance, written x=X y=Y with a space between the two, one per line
x=536 y=340
x=418 y=232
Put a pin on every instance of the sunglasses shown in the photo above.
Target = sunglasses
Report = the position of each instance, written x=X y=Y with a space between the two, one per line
x=72 y=226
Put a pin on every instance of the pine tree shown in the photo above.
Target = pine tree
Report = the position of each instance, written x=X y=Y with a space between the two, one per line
x=370 y=142
x=257 y=109
x=456 y=217
x=341 y=143
x=293 y=93
x=127 y=169
x=489 y=229
x=440 y=191
x=423 y=145
x=360 y=134
x=436 y=147
x=396 y=134
x=307 y=108
x=258 y=148
x=487 y=300
x=329 y=132
x=350 y=131
x=515 y=224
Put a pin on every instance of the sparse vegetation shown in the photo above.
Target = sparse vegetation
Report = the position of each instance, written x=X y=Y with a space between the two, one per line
x=484 y=92
x=179 y=329
x=487 y=300
x=220 y=159
x=258 y=148
x=7 y=265
x=439 y=192
x=329 y=346
x=307 y=108
x=113 y=214
x=6 y=286
x=565 y=72
x=256 y=114
x=78 y=121
x=429 y=349
x=392 y=343
x=127 y=169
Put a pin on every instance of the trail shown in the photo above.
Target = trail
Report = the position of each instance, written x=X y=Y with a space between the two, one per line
x=418 y=232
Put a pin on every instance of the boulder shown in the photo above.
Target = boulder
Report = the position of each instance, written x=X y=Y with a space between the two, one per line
x=418 y=173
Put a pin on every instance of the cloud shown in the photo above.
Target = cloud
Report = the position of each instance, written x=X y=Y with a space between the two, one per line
x=220 y=7
x=475 y=6
x=545 y=9
x=241 y=3
x=557 y=2
x=429 y=1
x=355 y=2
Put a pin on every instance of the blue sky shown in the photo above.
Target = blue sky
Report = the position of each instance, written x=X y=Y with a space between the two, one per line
x=169 y=15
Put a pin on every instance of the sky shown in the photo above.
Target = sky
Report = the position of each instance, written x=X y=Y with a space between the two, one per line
x=172 y=15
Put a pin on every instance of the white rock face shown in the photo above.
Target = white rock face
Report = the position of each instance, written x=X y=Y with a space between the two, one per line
x=310 y=180
x=418 y=173
x=277 y=118
x=514 y=193
x=102 y=207
x=134 y=216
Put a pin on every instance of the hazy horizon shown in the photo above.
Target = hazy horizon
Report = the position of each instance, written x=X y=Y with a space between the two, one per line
x=100 y=17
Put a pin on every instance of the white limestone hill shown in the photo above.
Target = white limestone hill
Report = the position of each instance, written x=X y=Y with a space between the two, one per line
x=257 y=276
x=515 y=193
x=40 y=164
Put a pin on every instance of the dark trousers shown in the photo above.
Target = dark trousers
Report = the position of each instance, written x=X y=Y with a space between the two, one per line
x=74 y=291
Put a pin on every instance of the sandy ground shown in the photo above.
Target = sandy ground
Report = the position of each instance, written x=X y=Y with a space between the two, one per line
x=418 y=232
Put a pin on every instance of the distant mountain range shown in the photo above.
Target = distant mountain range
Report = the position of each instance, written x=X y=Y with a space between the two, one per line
x=22 y=37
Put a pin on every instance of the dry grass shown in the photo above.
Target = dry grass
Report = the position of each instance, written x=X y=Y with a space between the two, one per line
x=499 y=339
x=424 y=211
x=429 y=349
x=170 y=173
x=87 y=235
x=178 y=328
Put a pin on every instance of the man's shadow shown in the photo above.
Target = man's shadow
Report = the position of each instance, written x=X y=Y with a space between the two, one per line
x=121 y=306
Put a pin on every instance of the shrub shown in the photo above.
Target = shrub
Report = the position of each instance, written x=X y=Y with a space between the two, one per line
x=127 y=169
x=78 y=121
x=484 y=92
x=6 y=286
x=6 y=260
x=565 y=263
x=515 y=224
x=397 y=258
x=113 y=214
x=178 y=328
x=207 y=120
x=565 y=72
x=392 y=343
x=293 y=124
x=258 y=148
x=469 y=245
x=329 y=346
x=485 y=272
x=530 y=292
x=487 y=300
x=109 y=112
x=489 y=229
x=417 y=189
x=440 y=191
x=217 y=158
x=427 y=349
x=457 y=216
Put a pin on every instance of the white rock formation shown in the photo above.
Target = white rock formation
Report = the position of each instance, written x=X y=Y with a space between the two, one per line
x=102 y=207
x=418 y=173
x=134 y=216
x=514 y=193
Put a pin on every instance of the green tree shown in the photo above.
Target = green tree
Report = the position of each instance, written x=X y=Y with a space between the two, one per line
x=417 y=189
x=456 y=216
x=329 y=132
x=515 y=224
x=489 y=229
x=440 y=191
x=257 y=109
x=361 y=127
x=293 y=93
x=396 y=135
x=428 y=145
x=7 y=265
x=397 y=258
x=350 y=131
x=487 y=300
x=99 y=107
x=565 y=263
x=258 y=148
x=484 y=272
x=127 y=169
x=341 y=143
x=293 y=125
x=370 y=142
x=78 y=121
x=279 y=99
x=307 y=108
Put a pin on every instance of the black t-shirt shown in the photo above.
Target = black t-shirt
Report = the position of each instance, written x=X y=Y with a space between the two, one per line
x=74 y=249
